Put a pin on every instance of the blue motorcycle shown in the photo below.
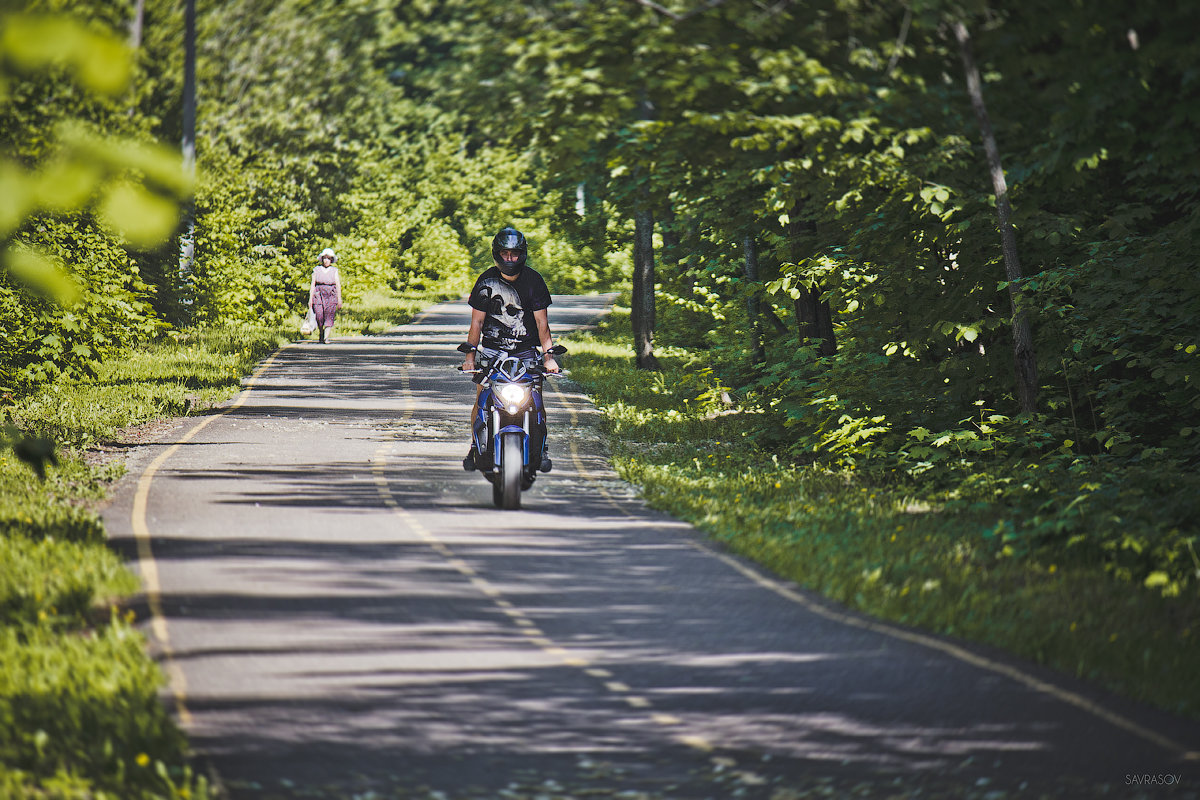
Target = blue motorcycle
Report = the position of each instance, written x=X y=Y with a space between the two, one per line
x=508 y=441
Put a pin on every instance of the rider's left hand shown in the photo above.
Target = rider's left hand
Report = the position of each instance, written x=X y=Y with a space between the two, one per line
x=551 y=365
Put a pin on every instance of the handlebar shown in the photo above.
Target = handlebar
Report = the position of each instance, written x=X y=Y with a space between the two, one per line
x=533 y=366
x=538 y=371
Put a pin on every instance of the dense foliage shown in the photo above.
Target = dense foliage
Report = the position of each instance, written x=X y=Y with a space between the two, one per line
x=304 y=140
x=83 y=183
x=827 y=242
x=834 y=142
x=879 y=548
x=303 y=143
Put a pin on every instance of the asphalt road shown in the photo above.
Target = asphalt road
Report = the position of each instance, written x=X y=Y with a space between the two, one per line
x=341 y=610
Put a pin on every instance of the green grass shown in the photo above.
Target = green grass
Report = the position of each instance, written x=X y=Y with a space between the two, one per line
x=889 y=550
x=80 y=713
x=182 y=374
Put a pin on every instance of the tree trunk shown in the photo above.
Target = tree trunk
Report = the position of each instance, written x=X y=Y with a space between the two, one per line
x=642 y=313
x=757 y=353
x=135 y=24
x=1026 y=358
x=814 y=318
x=187 y=239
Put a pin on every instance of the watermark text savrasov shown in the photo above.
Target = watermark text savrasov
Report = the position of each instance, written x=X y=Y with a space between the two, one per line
x=1153 y=779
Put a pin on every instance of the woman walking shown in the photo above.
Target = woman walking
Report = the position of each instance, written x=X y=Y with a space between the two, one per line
x=325 y=293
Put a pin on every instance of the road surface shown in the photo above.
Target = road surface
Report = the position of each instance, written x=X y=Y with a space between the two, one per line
x=340 y=610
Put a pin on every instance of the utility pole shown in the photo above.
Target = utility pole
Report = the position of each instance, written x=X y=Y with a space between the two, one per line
x=642 y=311
x=187 y=239
x=136 y=23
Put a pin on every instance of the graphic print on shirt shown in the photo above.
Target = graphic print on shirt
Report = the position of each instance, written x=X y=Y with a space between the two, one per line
x=504 y=327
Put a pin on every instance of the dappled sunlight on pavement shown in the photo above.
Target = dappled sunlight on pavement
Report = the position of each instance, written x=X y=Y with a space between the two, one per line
x=348 y=613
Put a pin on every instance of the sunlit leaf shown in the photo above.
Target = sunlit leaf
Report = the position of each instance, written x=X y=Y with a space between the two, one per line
x=143 y=217
x=66 y=185
x=158 y=164
x=103 y=64
x=41 y=274
x=34 y=42
x=1157 y=578
x=100 y=62
x=14 y=196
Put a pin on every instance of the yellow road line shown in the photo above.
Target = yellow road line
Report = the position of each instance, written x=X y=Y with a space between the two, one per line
x=148 y=567
x=528 y=628
x=952 y=650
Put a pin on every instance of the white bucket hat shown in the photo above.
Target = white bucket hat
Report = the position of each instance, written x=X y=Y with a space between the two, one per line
x=328 y=251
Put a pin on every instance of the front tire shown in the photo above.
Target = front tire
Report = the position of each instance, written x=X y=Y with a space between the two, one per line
x=506 y=489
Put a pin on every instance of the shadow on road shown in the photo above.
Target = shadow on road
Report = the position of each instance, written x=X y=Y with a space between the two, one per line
x=578 y=648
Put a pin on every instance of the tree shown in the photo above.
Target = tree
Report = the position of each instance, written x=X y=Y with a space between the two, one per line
x=80 y=187
x=1026 y=359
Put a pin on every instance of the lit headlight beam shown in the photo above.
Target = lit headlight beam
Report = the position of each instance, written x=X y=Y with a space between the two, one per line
x=513 y=395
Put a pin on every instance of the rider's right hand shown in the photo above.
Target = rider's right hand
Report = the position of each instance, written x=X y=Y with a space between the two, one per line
x=469 y=363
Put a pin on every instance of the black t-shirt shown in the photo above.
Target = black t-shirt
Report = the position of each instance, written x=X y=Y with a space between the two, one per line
x=509 y=307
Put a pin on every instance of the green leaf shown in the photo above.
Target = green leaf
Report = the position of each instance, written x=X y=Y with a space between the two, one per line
x=104 y=64
x=66 y=185
x=101 y=63
x=42 y=275
x=143 y=217
x=1157 y=578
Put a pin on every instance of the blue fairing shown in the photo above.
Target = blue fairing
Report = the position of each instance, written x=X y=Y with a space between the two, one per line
x=481 y=426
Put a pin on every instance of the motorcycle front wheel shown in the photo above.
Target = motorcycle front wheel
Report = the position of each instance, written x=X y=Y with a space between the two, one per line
x=506 y=488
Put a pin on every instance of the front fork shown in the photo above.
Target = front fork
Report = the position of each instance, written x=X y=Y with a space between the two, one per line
x=489 y=423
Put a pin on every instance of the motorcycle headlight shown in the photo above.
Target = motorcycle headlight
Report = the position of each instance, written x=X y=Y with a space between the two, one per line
x=513 y=394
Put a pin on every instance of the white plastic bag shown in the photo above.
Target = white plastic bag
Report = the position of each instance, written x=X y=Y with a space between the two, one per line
x=310 y=323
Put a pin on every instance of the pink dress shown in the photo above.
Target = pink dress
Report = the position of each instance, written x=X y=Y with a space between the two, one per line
x=325 y=294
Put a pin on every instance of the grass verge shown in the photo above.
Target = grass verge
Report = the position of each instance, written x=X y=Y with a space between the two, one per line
x=888 y=550
x=80 y=714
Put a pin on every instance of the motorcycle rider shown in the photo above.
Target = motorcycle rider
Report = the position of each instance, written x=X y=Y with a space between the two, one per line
x=509 y=314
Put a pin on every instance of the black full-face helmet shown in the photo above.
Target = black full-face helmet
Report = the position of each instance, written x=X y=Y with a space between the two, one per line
x=510 y=239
